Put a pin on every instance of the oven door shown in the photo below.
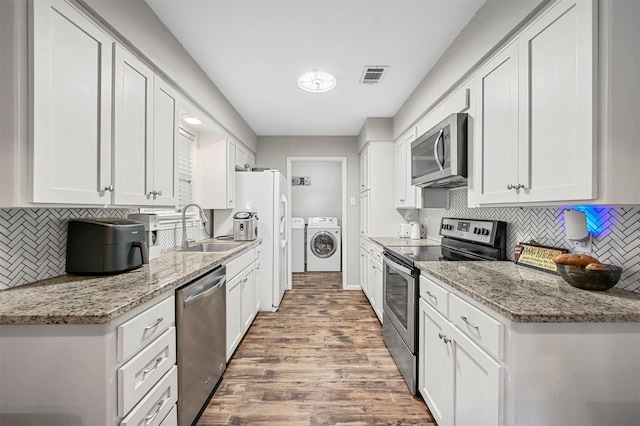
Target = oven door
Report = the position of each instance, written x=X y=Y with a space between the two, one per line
x=399 y=302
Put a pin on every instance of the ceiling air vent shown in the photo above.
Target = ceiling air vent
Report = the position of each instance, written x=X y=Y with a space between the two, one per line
x=373 y=75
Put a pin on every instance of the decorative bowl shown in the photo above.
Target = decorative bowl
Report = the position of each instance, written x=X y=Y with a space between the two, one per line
x=590 y=280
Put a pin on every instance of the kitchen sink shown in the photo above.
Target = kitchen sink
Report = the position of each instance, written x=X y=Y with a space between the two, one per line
x=213 y=247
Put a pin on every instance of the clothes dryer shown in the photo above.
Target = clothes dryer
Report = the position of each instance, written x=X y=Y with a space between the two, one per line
x=323 y=244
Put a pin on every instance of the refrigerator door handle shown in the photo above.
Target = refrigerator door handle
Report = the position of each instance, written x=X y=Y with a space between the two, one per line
x=284 y=232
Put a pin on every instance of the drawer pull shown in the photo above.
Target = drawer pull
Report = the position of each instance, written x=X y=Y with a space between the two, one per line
x=155 y=413
x=153 y=367
x=158 y=321
x=432 y=295
x=467 y=322
x=444 y=337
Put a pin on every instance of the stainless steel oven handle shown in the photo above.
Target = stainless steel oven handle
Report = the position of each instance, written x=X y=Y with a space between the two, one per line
x=435 y=149
x=397 y=267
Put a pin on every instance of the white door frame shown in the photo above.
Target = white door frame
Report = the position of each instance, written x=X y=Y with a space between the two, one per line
x=343 y=221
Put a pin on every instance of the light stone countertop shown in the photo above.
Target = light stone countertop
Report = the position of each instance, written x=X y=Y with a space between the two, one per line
x=523 y=294
x=74 y=299
x=395 y=241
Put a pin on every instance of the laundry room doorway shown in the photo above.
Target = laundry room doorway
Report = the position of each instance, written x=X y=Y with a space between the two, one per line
x=318 y=205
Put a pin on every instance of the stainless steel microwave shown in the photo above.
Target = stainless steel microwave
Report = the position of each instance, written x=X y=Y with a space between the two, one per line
x=439 y=157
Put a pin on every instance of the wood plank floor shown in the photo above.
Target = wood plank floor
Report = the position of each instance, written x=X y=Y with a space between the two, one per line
x=319 y=360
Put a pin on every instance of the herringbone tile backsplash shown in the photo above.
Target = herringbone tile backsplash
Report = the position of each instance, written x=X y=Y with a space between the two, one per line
x=33 y=242
x=615 y=230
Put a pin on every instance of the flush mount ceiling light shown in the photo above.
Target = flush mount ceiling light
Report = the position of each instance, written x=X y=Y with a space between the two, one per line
x=191 y=120
x=317 y=81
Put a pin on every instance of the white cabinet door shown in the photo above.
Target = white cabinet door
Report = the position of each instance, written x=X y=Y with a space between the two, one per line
x=497 y=128
x=165 y=144
x=215 y=186
x=435 y=364
x=364 y=214
x=71 y=106
x=133 y=130
x=257 y=296
x=401 y=174
x=377 y=289
x=364 y=169
x=234 y=314
x=556 y=104
x=371 y=281
x=478 y=384
x=248 y=301
x=364 y=270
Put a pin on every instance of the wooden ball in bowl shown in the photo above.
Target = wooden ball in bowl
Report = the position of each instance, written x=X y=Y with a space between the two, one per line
x=586 y=279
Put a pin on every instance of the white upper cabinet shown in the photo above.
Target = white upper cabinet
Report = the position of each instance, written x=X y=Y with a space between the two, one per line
x=145 y=135
x=535 y=114
x=165 y=144
x=71 y=61
x=407 y=196
x=215 y=186
x=244 y=157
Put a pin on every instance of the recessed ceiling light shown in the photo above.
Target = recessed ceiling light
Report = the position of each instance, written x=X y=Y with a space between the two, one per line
x=192 y=120
x=317 y=81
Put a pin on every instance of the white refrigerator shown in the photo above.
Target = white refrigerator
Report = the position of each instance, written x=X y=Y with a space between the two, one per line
x=265 y=193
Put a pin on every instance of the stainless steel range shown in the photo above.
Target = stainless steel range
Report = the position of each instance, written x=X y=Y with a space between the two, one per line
x=462 y=239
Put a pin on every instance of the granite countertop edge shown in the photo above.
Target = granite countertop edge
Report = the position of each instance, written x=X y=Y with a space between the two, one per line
x=85 y=300
x=554 y=301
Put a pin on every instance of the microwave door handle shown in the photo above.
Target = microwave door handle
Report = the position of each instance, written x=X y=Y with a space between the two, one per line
x=435 y=150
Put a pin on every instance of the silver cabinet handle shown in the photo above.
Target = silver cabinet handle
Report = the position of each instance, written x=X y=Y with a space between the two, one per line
x=519 y=186
x=155 y=413
x=108 y=188
x=510 y=187
x=149 y=194
x=153 y=367
x=432 y=295
x=444 y=337
x=463 y=318
x=158 y=321
x=159 y=193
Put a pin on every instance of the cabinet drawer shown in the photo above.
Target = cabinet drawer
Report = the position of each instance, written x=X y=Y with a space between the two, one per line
x=141 y=330
x=487 y=332
x=239 y=263
x=143 y=371
x=365 y=245
x=376 y=252
x=172 y=418
x=257 y=252
x=434 y=295
x=157 y=404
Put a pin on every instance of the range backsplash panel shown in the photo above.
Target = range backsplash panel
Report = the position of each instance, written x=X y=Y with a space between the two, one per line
x=33 y=242
x=615 y=230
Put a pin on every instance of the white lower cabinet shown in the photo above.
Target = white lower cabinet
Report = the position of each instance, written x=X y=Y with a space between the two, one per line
x=477 y=368
x=461 y=384
x=119 y=373
x=242 y=291
x=371 y=275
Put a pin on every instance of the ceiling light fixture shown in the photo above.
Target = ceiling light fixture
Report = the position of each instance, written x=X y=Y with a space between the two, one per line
x=192 y=120
x=317 y=81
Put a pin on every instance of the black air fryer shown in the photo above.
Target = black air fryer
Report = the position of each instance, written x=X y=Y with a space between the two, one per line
x=105 y=246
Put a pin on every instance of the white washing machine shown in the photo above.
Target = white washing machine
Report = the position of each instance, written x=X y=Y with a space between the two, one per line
x=323 y=244
x=297 y=244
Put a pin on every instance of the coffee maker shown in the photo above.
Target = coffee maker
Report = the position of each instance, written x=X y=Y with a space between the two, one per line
x=151 y=226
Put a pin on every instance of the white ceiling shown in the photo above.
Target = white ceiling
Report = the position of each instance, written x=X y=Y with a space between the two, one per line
x=255 y=50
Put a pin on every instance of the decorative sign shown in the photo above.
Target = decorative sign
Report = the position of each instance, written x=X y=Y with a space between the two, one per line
x=300 y=181
x=538 y=257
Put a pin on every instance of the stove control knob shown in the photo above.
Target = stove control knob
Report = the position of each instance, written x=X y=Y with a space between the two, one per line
x=477 y=231
x=485 y=231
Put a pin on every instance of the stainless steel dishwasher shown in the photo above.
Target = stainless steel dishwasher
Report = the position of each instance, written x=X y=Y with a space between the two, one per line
x=201 y=318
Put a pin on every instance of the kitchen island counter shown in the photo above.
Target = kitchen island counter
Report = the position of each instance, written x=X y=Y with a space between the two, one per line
x=523 y=294
x=74 y=299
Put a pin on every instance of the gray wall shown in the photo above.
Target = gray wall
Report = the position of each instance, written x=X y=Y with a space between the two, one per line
x=324 y=196
x=273 y=152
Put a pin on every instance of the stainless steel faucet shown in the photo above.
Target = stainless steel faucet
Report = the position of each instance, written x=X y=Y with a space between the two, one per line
x=185 y=240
